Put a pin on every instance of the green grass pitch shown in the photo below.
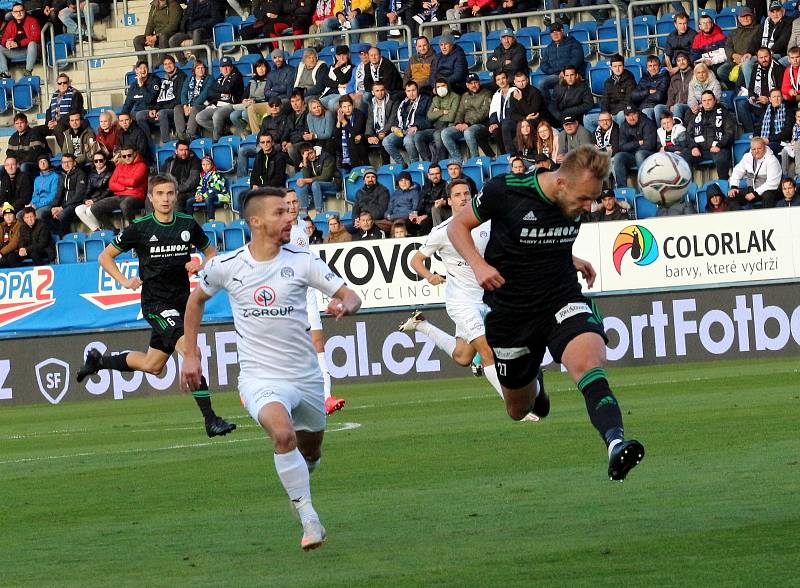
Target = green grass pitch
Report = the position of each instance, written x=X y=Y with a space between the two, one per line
x=434 y=487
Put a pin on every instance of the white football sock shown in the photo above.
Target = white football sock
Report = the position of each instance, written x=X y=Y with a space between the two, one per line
x=326 y=375
x=442 y=340
x=491 y=374
x=293 y=473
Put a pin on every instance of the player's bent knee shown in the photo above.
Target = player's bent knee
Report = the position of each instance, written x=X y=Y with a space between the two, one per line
x=284 y=440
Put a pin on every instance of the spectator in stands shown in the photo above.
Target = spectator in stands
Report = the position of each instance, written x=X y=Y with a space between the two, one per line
x=702 y=81
x=617 y=89
x=131 y=134
x=296 y=127
x=776 y=30
x=247 y=115
x=711 y=135
x=381 y=111
x=350 y=140
x=323 y=10
x=269 y=168
x=425 y=11
x=280 y=77
x=794 y=37
x=456 y=172
x=212 y=190
x=524 y=102
x=163 y=21
x=442 y=114
x=197 y=23
x=420 y=64
x=142 y=95
x=16 y=186
x=320 y=123
x=637 y=142
x=226 y=91
x=71 y=193
x=78 y=139
x=318 y=177
x=525 y=143
x=299 y=19
x=26 y=145
x=499 y=111
x=708 y=46
x=45 y=188
x=767 y=75
x=411 y=116
x=184 y=166
x=194 y=96
x=367 y=229
x=432 y=208
x=20 y=39
x=678 y=91
x=313 y=233
x=678 y=41
x=9 y=232
x=606 y=136
x=35 y=242
x=391 y=13
x=108 y=132
x=672 y=136
x=271 y=18
x=372 y=197
x=96 y=190
x=509 y=56
x=311 y=74
x=562 y=51
x=776 y=127
x=790 y=85
x=355 y=87
x=546 y=140
x=399 y=229
x=162 y=111
x=788 y=189
x=762 y=173
x=650 y=93
x=571 y=95
x=128 y=184
x=469 y=122
x=610 y=209
x=572 y=135
x=335 y=85
x=404 y=201
x=740 y=49
x=517 y=165
x=716 y=200
x=790 y=162
x=383 y=70
x=348 y=15
x=336 y=232
x=450 y=64
x=276 y=123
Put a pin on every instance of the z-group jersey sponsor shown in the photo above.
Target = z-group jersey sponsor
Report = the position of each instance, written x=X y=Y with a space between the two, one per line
x=461 y=284
x=268 y=301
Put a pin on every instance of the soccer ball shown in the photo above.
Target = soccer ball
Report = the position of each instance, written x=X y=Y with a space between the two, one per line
x=664 y=178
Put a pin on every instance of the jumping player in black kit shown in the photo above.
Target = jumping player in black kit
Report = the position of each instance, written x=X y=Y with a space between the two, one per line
x=163 y=241
x=531 y=285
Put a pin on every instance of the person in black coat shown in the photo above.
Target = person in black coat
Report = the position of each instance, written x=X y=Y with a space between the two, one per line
x=269 y=168
x=509 y=56
x=637 y=141
x=650 y=94
x=131 y=134
x=197 y=23
x=185 y=167
x=380 y=69
x=678 y=41
x=35 y=241
x=226 y=91
x=16 y=186
x=571 y=96
x=351 y=126
x=618 y=88
x=71 y=194
x=525 y=102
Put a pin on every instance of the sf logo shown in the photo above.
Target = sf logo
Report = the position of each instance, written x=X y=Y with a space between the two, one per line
x=264 y=296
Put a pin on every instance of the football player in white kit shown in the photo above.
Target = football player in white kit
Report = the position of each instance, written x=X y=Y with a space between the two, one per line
x=463 y=294
x=299 y=238
x=280 y=383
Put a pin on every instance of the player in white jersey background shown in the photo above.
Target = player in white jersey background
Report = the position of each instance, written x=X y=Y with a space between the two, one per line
x=463 y=294
x=299 y=238
x=280 y=382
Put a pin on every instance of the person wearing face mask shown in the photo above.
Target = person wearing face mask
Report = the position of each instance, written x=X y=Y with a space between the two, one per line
x=442 y=113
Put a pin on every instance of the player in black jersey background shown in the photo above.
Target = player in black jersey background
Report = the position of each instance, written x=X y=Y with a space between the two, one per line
x=163 y=241
x=530 y=280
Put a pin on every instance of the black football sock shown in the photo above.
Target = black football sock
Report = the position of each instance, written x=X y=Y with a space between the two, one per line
x=117 y=362
x=601 y=405
x=203 y=399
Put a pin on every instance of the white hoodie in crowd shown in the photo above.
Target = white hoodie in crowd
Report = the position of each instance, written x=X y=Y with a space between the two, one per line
x=761 y=174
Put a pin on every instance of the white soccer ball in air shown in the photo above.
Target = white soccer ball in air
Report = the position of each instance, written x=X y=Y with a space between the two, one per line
x=664 y=178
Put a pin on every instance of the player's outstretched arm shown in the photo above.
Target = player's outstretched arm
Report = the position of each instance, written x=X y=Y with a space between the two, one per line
x=191 y=368
x=585 y=269
x=106 y=261
x=459 y=233
x=418 y=265
x=344 y=302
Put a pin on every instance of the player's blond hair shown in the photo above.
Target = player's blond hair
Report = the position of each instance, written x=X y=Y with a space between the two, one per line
x=585 y=158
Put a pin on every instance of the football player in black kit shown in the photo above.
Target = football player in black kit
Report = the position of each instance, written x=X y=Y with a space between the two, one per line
x=163 y=241
x=530 y=280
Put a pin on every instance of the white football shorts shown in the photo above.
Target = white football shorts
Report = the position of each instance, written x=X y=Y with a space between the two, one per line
x=468 y=317
x=312 y=309
x=305 y=403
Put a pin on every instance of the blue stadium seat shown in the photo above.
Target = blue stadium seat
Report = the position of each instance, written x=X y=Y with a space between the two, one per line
x=483 y=162
x=104 y=234
x=240 y=223
x=387 y=179
x=499 y=167
x=292 y=182
x=726 y=19
x=223 y=156
x=740 y=148
x=238 y=188
x=201 y=146
x=627 y=194
x=233 y=238
x=67 y=252
x=607 y=40
x=77 y=236
x=475 y=172
x=389 y=49
x=224 y=32
x=217 y=227
x=25 y=93
x=163 y=153
x=392 y=168
x=93 y=247
x=598 y=74
x=645 y=208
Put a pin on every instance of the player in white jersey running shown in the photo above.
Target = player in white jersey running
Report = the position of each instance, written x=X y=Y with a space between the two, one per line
x=299 y=238
x=463 y=295
x=280 y=383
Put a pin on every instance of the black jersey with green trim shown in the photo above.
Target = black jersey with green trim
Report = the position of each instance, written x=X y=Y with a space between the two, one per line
x=163 y=251
x=530 y=244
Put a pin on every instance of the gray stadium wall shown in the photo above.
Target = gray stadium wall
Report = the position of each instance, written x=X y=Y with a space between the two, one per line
x=752 y=322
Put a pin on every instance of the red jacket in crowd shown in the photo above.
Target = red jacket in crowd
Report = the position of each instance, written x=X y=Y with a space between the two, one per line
x=30 y=27
x=129 y=179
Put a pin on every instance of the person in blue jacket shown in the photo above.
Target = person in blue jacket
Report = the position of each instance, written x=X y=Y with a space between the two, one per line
x=45 y=188
x=562 y=51
x=411 y=116
x=650 y=94
x=450 y=64
x=194 y=96
x=142 y=96
x=402 y=203
x=280 y=79
x=638 y=140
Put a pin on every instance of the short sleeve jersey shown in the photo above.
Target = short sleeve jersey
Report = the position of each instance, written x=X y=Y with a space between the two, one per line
x=163 y=251
x=268 y=301
x=461 y=283
x=530 y=244
x=298 y=236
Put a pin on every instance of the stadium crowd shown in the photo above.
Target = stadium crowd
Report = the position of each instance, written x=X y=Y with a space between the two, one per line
x=345 y=118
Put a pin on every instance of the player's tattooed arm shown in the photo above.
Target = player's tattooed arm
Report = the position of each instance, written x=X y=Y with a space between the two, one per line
x=585 y=269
